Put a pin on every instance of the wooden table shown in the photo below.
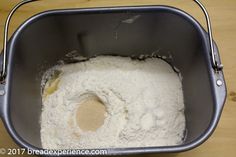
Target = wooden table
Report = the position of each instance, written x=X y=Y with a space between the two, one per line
x=223 y=16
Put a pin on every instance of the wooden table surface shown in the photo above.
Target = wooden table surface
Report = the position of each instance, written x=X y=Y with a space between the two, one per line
x=223 y=16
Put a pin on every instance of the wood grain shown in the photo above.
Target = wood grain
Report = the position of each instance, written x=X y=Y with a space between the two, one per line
x=223 y=16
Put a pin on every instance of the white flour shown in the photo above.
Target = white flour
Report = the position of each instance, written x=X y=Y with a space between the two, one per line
x=143 y=99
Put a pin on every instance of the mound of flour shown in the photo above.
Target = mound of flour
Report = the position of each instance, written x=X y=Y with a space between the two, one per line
x=143 y=99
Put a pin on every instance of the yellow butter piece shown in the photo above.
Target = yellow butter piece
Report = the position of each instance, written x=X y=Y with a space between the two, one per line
x=52 y=84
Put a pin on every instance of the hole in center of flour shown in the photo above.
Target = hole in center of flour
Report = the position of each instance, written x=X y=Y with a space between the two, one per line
x=90 y=114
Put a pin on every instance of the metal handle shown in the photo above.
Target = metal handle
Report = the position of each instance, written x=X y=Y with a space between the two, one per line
x=216 y=65
x=6 y=27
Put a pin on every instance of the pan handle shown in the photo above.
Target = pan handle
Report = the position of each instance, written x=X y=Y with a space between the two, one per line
x=216 y=64
x=6 y=27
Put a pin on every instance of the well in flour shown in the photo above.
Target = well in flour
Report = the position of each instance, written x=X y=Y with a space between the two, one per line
x=90 y=111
